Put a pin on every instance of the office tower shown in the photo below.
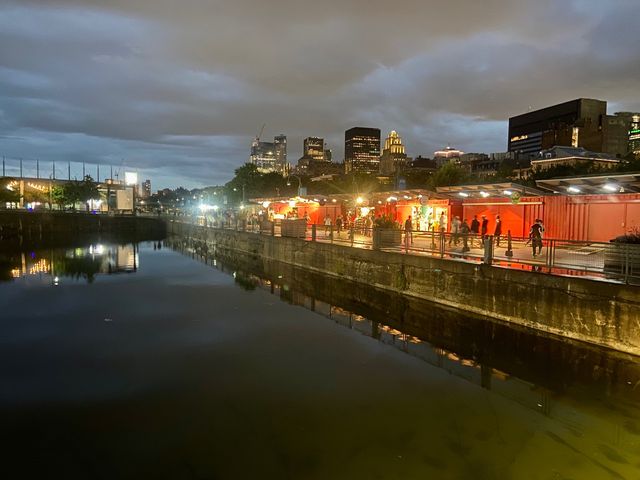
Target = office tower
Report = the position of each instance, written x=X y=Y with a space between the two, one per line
x=362 y=150
x=314 y=148
x=280 y=145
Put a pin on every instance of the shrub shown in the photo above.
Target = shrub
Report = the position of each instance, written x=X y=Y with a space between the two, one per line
x=633 y=237
x=386 y=222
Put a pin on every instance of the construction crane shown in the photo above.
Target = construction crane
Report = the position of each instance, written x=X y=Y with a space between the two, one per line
x=261 y=130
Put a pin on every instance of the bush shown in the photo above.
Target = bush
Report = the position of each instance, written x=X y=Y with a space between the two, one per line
x=386 y=222
x=633 y=237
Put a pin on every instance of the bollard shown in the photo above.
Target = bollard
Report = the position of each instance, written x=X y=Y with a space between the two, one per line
x=488 y=250
x=509 y=252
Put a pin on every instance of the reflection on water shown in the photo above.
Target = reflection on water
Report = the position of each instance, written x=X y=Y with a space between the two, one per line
x=586 y=389
x=175 y=372
x=78 y=263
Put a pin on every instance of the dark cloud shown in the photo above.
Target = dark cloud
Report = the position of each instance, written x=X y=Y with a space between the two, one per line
x=177 y=89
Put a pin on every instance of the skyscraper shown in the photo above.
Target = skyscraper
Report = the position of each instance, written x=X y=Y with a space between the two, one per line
x=146 y=188
x=314 y=148
x=280 y=143
x=270 y=156
x=362 y=150
x=393 y=158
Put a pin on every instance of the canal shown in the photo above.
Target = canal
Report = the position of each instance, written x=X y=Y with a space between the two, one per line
x=167 y=360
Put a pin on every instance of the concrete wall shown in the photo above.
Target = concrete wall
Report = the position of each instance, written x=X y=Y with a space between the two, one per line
x=598 y=312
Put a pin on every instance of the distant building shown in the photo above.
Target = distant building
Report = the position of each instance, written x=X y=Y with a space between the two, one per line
x=307 y=165
x=270 y=156
x=314 y=148
x=571 y=156
x=578 y=123
x=393 y=158
x=302 y=167
x=423 y=164
x=328 y=154
x=280 y=145
x=447 y=155
x=634 y=134
x=146 y=188
x=362 y=150
x=615 y=132
x=263 y=156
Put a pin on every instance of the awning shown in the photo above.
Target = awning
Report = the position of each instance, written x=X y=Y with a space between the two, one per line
x=592 y=184
x=489 y=190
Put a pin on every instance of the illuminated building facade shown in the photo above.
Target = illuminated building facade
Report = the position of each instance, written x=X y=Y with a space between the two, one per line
x=393 y=158
x=634 y=135
x=447 y=155
x=362 y=150
x=270 y=156
x=578 y=123
x=146 y=188
x=314 y=148
x=280 y=149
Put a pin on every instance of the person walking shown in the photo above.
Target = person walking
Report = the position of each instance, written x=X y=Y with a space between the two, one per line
x=455 y=230
x=442 y=223
x=535 y=236
x=369 y=225
x=498 y=230
x=408 y=232
x=464 y=231
x=484 y=226
x=327 y=225
x=339 y=225
x=474 y=229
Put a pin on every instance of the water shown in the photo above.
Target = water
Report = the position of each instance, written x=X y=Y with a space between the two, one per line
x=139 y=362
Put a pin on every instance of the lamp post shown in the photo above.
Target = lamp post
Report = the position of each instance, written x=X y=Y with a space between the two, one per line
x=299 y=182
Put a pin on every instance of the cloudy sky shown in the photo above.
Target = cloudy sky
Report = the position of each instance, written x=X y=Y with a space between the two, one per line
x=177 y=88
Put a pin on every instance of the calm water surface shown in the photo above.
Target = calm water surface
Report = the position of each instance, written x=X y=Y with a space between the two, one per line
x=138 y=362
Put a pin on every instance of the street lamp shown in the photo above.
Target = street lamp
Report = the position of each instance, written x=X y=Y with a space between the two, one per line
x=299 y=182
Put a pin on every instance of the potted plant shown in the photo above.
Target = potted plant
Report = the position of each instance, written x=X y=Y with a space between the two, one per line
x=623 y=255
x=386 y=232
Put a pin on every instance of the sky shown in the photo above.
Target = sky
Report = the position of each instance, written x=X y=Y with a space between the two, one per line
x=176 y=90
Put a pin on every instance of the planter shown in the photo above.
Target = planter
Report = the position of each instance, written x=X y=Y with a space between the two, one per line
x=266 y=227
x=294 y=228
x=386 y=238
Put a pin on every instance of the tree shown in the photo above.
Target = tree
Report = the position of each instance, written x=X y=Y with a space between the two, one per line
x=58 y=196
x=8 y=193
x=448 y=174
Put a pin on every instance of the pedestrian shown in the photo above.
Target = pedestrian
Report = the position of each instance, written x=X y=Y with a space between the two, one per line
x=498 y=230
x=408 y=232
x=535 y=236
x=339 y=224
x=475 y=228
x=442 y=223
x=484 y=226
x=327 y=225
x=369 y=225
x=464 y=231
x=455 y=230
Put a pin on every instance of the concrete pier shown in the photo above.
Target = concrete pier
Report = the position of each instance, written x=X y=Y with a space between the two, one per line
x=601 y=313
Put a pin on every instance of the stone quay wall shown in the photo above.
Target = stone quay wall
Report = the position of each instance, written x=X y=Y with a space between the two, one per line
x=598 y=312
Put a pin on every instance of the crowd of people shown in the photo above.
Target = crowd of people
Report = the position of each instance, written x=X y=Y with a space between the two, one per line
x=476 y=233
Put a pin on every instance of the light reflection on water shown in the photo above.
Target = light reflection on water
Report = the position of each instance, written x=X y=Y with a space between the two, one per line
x=193 y=377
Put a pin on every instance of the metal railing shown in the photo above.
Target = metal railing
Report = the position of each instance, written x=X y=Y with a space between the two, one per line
x=613 y=261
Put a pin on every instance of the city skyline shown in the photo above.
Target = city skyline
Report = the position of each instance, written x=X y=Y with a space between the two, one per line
x=180 y=95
